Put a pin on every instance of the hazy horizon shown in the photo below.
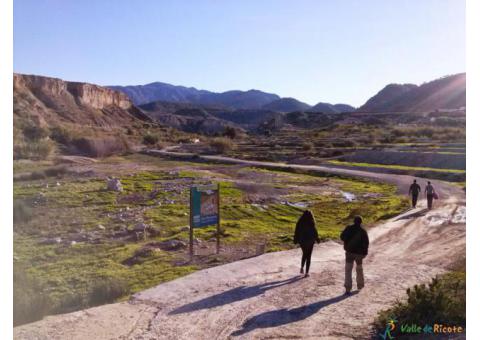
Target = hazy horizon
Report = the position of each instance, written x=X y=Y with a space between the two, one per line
x=341 y=52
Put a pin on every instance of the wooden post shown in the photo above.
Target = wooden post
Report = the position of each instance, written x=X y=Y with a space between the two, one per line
x=218 y=221
x=191 y=225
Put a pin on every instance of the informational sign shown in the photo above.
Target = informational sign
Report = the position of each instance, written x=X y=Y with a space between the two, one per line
x=204 y=203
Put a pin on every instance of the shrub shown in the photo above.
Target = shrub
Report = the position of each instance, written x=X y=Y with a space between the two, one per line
x=21 y=212
x=150 y=139
x=308 y=147
x=61 y=135
x=55 y=171
x=100 y=147
x=221 y=144
x=29 y=302
x=107 y=290
x=230 y=132
x=34 y=132
x=441 y=301
x=37 y=150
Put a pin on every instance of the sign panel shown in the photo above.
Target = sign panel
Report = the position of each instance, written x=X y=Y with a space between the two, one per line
x=204 y=205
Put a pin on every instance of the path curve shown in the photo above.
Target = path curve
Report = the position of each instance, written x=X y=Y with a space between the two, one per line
x=265 y=298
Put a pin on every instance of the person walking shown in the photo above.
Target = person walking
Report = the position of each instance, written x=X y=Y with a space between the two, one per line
x=306 y=235
x=355 y=242
x=414 y=191
x=430 y=191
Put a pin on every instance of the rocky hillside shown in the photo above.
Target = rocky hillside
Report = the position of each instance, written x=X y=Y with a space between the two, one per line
x=52 y=115
x=51 y=102
x=142 y=94
x=445 y=93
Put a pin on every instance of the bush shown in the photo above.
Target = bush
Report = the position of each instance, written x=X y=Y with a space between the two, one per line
x=29 y=302
x=230 y=132
x=107 y=290
x=150 y=139
x=441 y=301
x=102 y=291
x=56 y=171
x=37 y=150
x=35 y=133
x=221 y=144
x=61 y=135
x=100 y=147
x=308 y=147
x=21 y=212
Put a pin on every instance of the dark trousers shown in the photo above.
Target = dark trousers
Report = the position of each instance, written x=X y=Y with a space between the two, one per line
x=307 y=250
x=349 y=259
x=429 y=201
x=414 y=200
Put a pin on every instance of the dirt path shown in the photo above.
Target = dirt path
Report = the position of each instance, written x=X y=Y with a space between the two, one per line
x=265 y=298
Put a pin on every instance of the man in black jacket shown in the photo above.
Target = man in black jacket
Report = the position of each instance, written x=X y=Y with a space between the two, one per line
x=414 y=191
x=355 y=242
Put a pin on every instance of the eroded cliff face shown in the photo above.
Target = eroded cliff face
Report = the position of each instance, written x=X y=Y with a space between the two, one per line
x=86 y=94
x=98 y=97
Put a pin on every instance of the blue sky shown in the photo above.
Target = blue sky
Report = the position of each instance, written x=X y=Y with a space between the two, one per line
x=339 y=51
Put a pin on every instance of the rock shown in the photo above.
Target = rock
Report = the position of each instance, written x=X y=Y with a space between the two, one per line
x=50 y=241
x=185 y=228
x=172 y=245
x=114 y=184
x=73 y=243
x=58 y=184
x=101 y=227
x=141 y=227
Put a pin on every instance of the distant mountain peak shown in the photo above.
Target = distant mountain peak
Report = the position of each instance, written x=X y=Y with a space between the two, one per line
x=447 y=92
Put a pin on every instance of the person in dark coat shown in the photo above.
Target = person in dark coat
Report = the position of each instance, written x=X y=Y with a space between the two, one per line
x=306 y=235
x=355 y=242
x=414 y=191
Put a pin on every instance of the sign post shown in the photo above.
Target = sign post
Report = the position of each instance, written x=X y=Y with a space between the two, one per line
x=204 y=210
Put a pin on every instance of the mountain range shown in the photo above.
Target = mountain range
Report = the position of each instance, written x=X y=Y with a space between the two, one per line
x=52 y=102
x=229 y=100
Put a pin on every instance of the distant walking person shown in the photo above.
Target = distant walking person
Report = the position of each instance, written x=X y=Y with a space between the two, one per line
x=355 y=242
x=430 y=191
x=306 y=234
x=414 y=191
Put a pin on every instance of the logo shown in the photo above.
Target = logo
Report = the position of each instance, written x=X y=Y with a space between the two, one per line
x=413 y=328
x=387 y=334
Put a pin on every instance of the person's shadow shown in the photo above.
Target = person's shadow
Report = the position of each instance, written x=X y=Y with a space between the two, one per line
x=232 y=295
x=414 y=214
x=284 y=316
